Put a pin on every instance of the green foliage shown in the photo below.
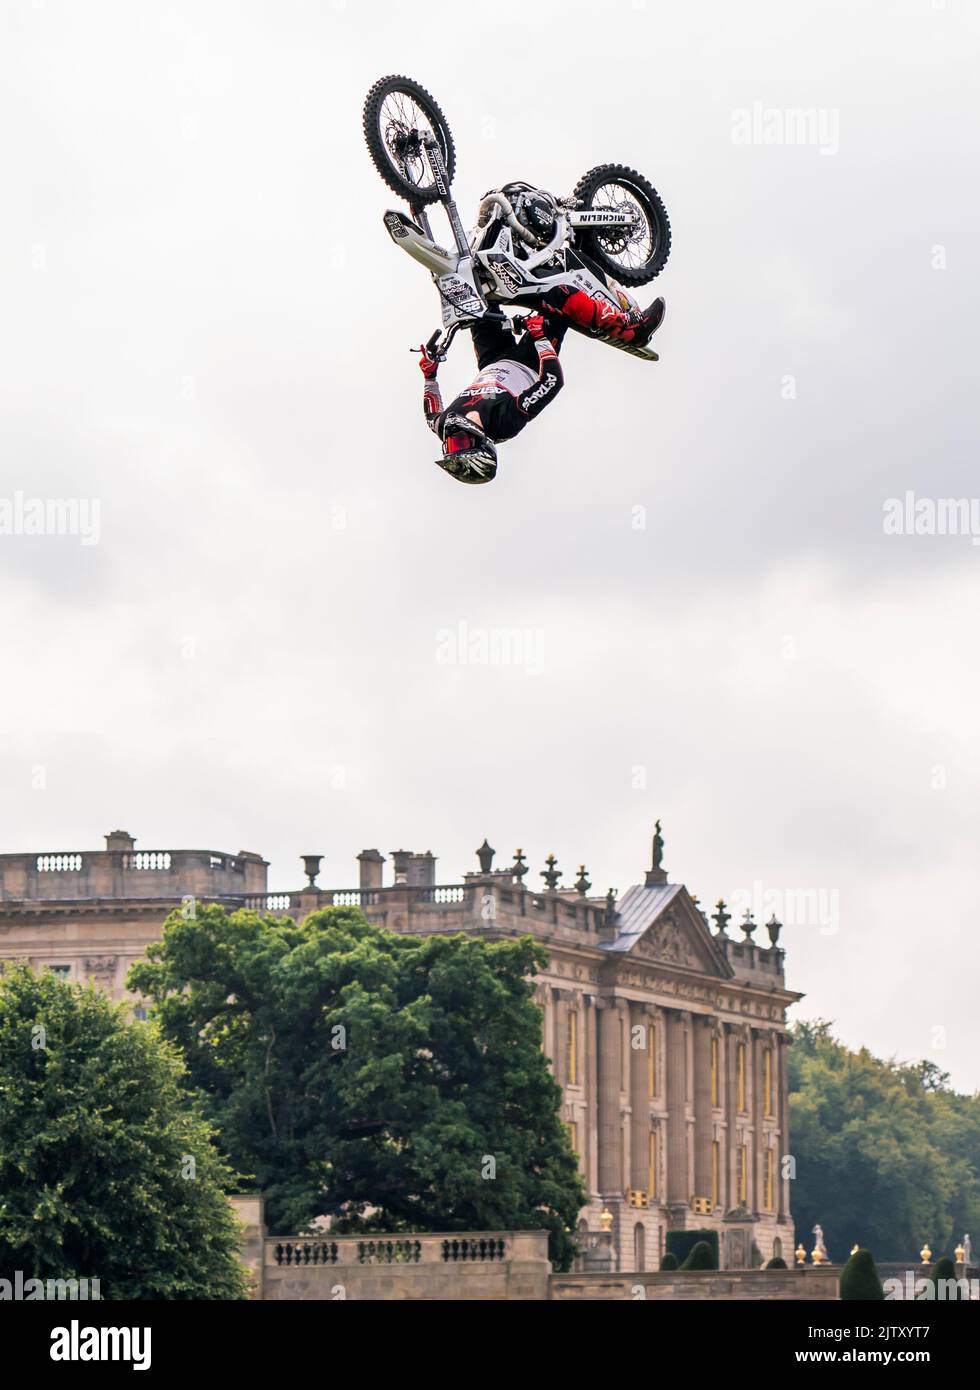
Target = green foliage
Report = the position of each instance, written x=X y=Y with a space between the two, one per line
x=777 y=1262
x=701 y=1257
x=681 y=1243
x=669 y=1261
x=943 y=1271
x=885 y=1151
x=859 y=1281
x=96 y=1131
x=390 y=1082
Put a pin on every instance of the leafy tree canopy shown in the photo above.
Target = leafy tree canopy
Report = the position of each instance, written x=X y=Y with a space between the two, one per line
x=887 y=1155
x=106 y=1169
x=390 y=1082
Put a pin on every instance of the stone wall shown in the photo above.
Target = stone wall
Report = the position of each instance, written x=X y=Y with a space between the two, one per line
x=485 y=1265
x=818 y=1284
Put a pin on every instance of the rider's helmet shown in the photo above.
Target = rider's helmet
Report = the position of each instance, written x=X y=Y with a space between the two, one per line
x=535 y=209
x=468 y=452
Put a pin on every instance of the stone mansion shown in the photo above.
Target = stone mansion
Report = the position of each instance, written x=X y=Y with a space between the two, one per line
x=667 y=1035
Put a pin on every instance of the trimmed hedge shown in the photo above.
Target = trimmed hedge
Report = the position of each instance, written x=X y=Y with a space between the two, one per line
x=859 y=1281
x=944 y=1269
x=681 y=1243
x=777 y=1262
x=669 y=1261
x=701 y=1257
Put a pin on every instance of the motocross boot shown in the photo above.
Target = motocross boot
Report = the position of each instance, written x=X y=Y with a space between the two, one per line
x=601 y=320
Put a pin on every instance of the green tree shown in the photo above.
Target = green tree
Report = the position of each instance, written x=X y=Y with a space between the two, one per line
x=886 y=1154
x=390 y=1082
x=859 y=1281
x=107 y=1171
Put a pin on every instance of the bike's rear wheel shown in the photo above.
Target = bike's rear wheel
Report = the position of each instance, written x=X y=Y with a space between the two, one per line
x=398 y=116
x=631 y=255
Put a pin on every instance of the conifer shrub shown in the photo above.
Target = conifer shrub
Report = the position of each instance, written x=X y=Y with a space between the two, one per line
x=859 y=1281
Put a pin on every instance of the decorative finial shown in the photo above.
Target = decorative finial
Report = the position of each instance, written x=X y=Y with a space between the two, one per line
x=720 y=917
x=606 y=1219
x=485 y=855
x=520 y=867
x=551 y=874
x=582 y=884
x=749 y=923
x=311 y=867
x=925 y=1254
x=773 y=928
x=801 y=1254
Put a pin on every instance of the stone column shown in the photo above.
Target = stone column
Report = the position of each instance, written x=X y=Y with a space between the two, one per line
x=590 y=1149
x=610 y=1082
x=676 y=1085
x=757 y=1102
x=560 y=997
x=729 y=1174
x=639 y=1102
x=782 y=1101
x=547 y=1027
x=702 y=1106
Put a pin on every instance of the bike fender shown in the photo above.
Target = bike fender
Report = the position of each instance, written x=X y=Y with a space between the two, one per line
x=404 y=233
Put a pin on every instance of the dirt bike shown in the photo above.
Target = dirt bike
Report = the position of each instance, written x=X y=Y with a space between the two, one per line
x=612 y=232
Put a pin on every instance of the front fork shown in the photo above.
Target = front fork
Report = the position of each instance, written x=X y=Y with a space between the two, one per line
x=459 y=307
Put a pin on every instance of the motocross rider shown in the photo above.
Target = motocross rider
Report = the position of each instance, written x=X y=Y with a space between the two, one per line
x=517 y=380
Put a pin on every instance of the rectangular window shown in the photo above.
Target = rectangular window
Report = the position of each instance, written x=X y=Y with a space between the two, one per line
x=769 y=1202
x=651 y=1061
x=63 y=972
x=714 y=1071
x=573 y=1047
x=740 y=1076
x=652 y=1164
x=742 y=1173
x=767 y=1079
x=715 y=1172
x=572 y=1128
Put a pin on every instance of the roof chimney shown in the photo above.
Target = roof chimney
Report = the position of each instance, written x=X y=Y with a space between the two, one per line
x=372 y=868
x=119 y=840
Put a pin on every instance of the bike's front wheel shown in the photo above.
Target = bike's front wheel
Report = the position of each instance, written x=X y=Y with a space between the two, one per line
x=399 y=116
x=630 y=254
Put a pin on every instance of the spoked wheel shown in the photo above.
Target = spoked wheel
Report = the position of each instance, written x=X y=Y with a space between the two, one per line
x=635 y=254
x=398 y=116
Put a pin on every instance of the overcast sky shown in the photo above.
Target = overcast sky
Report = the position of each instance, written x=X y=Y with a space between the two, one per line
x=206 y=331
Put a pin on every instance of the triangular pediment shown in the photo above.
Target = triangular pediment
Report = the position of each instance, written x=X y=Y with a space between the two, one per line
x=661 y=923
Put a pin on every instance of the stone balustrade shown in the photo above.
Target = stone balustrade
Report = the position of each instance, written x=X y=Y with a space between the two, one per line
x=302 y=1252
